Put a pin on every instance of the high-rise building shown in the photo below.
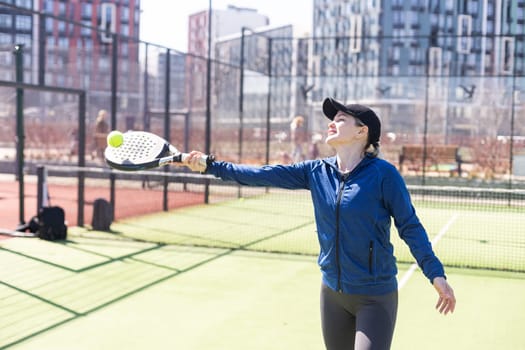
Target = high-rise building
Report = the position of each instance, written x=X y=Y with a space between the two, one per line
x=382 y=51
x=266 y=57
x=16 y=26
x=223 y=23
x=70 y=44
x=393 y=37
x=69 y=47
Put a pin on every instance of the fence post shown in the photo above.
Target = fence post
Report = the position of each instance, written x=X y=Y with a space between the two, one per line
x=81 y=157
x=167 y=123
x=207 y=138
x=19 y=73
x=114 y=89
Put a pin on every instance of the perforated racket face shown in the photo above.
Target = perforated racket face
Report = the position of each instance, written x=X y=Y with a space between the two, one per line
x=138 y=147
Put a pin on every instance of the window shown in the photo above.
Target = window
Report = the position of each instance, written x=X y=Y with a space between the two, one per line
x=373 y=5
x=6 y=58
x=395 y=69
x=63 y=43
x=88 y=63
x=434 y=60
x=86 y=30
x=472 y=8
x=356 y=24
x=6 y=39
x=104 y=64
x=490 y=9
x=507 y=55
x=61 y=9
x=61 y=26
x=50 y=42
x=464 y=31
x=521 y=14
x=124 y=29
x=398 y=18
x=88 y=45
x=87 y=10
x=488 y=45
x=49 y=25
x=71 y=11
x=125 y=14
x=48 y=6
x=124 y=49
x=124 y=66
x=108 y=21
x=24 y=3
x=6 y=21
x=23 y=39
x=396 y=53
x=23 y=22
x=490 y=27
x=413 y=18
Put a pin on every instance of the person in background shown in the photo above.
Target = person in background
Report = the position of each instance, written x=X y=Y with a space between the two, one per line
x=101 y=132
x=356 y=196
x=297 y=138
x=313 y=149
x=73 y=143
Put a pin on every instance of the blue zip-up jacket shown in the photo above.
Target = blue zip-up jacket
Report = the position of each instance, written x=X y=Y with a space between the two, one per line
x=353 y=217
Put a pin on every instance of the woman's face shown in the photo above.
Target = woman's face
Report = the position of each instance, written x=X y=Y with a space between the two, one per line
x=345 y=129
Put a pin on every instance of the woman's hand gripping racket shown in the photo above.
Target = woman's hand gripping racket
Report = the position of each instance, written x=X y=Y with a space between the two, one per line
x=140 y=150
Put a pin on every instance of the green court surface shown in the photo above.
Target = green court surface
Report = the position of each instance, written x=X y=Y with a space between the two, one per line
x=242 y=275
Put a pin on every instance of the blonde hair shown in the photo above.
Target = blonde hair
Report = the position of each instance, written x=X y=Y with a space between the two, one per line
x=373 y=149
x=102 y=114
x=299 y=120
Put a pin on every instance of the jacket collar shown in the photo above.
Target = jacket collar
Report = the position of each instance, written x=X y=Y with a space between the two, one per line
x=332 y=162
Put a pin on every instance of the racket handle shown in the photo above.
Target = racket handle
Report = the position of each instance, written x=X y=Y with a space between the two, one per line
x=204 y=161
x=179 y=157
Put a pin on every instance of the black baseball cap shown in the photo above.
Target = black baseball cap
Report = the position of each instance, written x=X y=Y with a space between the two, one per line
x=363 y=113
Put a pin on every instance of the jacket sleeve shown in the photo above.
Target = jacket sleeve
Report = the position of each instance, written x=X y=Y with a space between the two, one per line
x=282 y=176
x=398 y=202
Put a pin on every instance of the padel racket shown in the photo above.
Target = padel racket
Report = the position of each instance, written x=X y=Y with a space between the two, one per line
x=142 y=150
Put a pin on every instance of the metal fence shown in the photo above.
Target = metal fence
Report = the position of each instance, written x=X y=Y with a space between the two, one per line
x=444 y=118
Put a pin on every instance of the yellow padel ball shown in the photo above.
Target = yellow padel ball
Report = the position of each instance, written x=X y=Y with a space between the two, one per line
x=115 y=138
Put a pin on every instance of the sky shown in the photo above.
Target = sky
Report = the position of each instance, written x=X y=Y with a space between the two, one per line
x=165 y=22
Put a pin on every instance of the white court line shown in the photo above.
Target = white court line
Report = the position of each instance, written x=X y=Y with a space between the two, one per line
x=436 y=239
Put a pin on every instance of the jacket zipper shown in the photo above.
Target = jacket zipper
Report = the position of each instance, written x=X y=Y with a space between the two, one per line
x=337 y=208
x=371 y=257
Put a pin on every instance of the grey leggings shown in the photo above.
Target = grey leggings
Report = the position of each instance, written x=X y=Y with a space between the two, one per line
x=360 y=322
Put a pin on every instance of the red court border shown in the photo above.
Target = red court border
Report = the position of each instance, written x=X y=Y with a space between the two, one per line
x=129 y=201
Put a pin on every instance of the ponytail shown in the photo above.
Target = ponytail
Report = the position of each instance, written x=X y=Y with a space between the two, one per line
x=372 y=150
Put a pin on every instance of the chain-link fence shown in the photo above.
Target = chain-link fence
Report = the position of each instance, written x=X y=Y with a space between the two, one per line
x=447 y=115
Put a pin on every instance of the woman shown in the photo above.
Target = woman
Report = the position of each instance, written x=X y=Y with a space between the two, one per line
x=101 y=132
x=297 y=138
x=355 y=195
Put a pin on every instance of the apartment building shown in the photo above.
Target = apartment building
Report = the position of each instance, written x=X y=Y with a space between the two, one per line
x=393 y=53
x=70 y=44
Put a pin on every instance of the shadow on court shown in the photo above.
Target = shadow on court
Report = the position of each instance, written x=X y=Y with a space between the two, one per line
x=152 y=284
x=110 y=292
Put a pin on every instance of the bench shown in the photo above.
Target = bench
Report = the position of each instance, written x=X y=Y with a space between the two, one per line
x=439 y=158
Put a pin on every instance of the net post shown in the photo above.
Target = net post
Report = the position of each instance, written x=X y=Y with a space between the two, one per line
x=41 y=175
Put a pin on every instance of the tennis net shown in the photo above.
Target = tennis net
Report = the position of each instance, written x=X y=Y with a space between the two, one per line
x=480 y=228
